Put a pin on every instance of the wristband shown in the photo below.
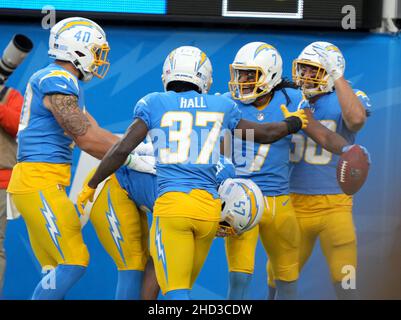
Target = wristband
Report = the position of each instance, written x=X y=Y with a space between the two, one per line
x=294 y=124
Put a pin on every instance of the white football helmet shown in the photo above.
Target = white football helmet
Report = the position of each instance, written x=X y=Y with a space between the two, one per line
x=262 y=58
x=83 y=43
x=320 y=82
x=242 y=206
x=188 y=64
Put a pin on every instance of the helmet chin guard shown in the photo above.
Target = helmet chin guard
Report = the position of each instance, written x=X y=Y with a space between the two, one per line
x=266 y=63
x=320 y=82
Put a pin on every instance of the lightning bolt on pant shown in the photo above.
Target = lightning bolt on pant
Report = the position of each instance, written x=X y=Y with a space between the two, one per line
x=179 y=245
x=53 y=226
x=120 y=227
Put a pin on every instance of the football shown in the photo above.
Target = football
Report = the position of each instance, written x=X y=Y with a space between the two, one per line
x=352 y=170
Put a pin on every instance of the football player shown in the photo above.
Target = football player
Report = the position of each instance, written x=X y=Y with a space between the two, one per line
x=53 y=120
x=323 y=210
x=185 y=125
x=257 y=86
x=118 y=215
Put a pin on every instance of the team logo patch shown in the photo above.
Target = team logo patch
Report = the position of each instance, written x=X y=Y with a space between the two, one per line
x=260 y=116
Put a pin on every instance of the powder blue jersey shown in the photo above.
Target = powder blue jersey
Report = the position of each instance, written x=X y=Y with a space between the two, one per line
x=314 y=169
x=224 y=170
x=142 y=187
x=40 y=137
x=186 y=129
x=266 y=164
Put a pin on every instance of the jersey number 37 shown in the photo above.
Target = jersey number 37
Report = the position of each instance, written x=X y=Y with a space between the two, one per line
x=188 y=129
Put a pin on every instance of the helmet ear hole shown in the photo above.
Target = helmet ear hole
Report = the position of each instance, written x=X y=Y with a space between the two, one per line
x=274 y=75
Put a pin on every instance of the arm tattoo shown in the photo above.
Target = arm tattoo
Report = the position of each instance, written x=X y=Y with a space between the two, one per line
x=68 y=114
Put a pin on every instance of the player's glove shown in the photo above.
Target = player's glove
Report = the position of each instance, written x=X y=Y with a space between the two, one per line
x=365 y=151
x=139 y=163
x=295 y=120
x=333 y=64
x=144 y=149
x=84 y=196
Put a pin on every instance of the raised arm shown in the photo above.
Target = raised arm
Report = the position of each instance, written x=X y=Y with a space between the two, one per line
x=328 y=139
x=81 y=127
x=353 y=112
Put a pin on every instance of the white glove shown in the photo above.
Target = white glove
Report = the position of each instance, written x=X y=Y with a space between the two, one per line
x=332 y=61
x=144 y=149
x=146 y=164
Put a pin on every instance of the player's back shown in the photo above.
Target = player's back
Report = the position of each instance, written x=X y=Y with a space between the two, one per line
x=314 y=169
x=186 y=129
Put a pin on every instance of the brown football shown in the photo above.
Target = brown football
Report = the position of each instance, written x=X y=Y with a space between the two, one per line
x=352 y=170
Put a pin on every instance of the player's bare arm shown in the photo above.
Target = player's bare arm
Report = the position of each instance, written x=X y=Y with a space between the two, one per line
x=81 y=127
x=266 y=133
x=68 y=114
x=328 y=139
x=263 y=132
x=353 y=112
x=119 y=152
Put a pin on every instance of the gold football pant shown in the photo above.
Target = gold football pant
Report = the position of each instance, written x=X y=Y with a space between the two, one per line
x=53 y=226
x=329 y=218
x=120 y=227
x=179 y=245
x=279 y=233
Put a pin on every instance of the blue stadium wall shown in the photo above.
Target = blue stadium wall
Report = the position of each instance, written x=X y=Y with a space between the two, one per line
x=137 y=55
